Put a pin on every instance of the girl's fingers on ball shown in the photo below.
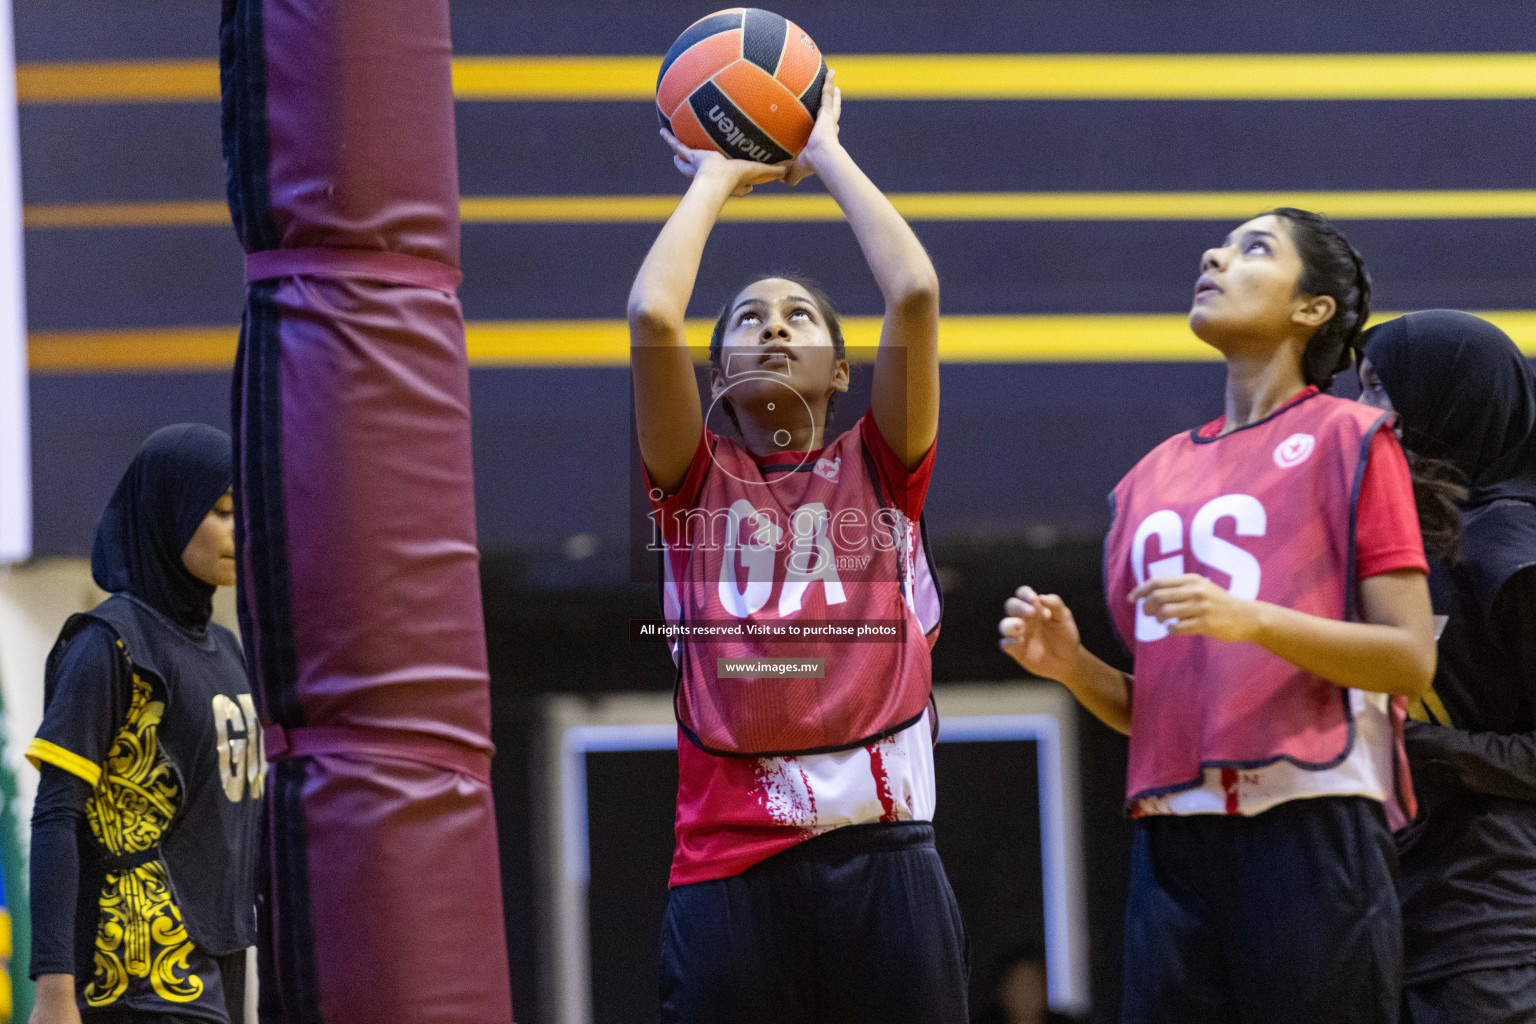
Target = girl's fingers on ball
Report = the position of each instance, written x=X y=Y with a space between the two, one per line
x=677 y=147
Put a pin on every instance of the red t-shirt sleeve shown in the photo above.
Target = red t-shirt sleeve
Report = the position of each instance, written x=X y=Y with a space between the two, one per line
x=904 y=489
x=669 y=507
x=687 y=493
x=1386 y=519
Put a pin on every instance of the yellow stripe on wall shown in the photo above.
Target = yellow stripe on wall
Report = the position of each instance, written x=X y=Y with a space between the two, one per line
x=122 y=81
x=178 y=213
x=555 y=78
x=1406 y=76
x=1067 y=338
x=965 y=339
x=915 y=206
x=154 y=350
x=1191 y=76
x=1021 y=206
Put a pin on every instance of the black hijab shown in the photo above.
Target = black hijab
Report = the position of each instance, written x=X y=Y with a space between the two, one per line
x=1464 y=394
x=171 y=485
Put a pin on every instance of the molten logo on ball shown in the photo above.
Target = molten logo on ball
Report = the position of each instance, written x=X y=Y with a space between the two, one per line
x=735 y=138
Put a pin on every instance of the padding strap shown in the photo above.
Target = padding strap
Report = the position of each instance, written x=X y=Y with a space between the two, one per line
x=367 y=264
x=315 y=740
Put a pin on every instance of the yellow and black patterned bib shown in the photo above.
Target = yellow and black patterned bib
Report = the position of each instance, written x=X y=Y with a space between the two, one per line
x=140 y=937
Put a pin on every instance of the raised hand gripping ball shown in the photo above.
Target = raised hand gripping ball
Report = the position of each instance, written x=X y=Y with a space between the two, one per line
x=742 y=81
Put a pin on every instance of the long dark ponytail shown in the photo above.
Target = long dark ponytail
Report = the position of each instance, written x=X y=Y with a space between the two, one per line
x=1332 y=266
x=1439 y=488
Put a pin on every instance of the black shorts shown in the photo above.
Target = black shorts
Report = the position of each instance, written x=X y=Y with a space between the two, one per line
x=1289 y=916
x=1495 y=995
x=859 y=924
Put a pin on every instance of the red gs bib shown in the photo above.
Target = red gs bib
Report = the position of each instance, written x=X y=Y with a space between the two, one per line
x=1267 y=511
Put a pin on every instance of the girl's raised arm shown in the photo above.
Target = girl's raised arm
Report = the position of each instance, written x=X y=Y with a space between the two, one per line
x=905 y=399
x=1392 y=650
x=667 y=409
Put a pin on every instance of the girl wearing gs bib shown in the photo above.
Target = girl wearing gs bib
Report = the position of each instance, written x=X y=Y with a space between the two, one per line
x=805 y=884
x=1267 y=573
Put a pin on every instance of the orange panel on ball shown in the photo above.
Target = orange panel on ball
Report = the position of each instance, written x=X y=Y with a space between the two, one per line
x=694 y=67
x=688 y=130
x=770 y=105
x=801 y=61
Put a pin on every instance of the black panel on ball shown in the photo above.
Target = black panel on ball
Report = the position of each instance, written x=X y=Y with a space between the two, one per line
x=732 y=130
x=811 y=98
x=696 y=33
x=762 y=39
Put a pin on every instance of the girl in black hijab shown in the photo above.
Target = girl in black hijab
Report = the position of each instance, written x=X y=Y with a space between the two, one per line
x=1466 y=400
x=145 y=828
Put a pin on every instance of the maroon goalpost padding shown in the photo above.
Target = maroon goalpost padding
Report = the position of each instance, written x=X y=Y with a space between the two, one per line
x=359 y=589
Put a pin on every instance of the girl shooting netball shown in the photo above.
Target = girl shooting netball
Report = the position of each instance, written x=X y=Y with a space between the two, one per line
x=1267 y=573
x=805 y=884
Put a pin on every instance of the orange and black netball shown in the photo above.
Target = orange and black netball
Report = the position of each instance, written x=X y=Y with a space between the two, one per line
x=743 y=81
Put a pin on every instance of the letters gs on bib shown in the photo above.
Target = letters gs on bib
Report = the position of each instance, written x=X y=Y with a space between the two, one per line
x=1167 y=526
x=1241 y=567
x=242 y=754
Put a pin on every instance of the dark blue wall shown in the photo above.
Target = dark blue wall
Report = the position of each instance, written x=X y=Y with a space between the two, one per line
x=1026 y=450
x=1022 y=444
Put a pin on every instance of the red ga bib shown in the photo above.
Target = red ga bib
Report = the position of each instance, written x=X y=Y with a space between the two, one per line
x=779 y=554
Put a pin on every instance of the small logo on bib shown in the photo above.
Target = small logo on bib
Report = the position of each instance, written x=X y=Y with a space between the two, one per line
x=1293 y=451
x=828 y=468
